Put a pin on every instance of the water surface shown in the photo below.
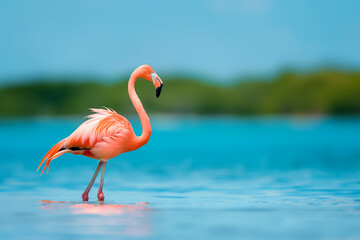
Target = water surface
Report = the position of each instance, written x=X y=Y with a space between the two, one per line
x=198 y=178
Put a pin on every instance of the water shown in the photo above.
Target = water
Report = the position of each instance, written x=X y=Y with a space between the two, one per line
x=198 y=178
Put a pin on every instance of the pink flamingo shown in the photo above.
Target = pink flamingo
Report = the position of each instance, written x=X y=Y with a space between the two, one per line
x=107 y=134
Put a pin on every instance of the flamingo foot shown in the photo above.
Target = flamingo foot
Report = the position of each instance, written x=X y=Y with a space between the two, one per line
x=101 y=196
x=85 y=197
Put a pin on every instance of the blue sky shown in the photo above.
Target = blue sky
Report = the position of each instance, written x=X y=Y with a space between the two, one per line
x=221 y=39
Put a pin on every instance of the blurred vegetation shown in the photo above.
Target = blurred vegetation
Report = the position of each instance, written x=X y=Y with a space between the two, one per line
x=321 y=92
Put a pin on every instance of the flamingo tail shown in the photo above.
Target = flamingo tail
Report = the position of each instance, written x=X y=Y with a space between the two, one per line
x=53 y=153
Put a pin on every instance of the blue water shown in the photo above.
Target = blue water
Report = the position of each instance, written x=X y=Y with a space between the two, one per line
x=197 y=178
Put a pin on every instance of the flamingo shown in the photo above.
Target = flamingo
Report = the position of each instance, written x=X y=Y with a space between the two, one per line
x=106 y=134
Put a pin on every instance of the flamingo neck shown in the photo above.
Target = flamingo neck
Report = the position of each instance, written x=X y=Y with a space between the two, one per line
x=145 y=121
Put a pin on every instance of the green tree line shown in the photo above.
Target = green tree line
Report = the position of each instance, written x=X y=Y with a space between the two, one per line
x=322 y=92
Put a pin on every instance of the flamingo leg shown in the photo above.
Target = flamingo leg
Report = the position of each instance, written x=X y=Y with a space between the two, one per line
x=100 y=193
x=85 y=195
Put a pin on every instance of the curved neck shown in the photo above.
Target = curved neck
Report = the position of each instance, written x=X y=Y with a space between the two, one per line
x=145 y=121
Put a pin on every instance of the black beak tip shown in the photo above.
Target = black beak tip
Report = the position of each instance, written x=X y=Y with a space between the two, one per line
x=158 y=90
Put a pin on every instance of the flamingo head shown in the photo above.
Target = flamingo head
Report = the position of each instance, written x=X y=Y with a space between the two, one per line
x=146 y=72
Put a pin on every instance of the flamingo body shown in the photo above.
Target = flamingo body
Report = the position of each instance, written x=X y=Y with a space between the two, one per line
x=106 y=134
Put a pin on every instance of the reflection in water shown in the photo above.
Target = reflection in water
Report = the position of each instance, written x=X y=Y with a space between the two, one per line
x=128 y=220
x=106 y=209
x=49 y=201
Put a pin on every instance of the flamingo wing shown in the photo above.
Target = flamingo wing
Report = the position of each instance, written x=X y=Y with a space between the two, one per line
x=101 y=124
x=102 y=136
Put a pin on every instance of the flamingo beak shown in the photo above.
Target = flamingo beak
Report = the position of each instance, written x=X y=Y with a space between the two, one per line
x=157 y=83
x=158 y=90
